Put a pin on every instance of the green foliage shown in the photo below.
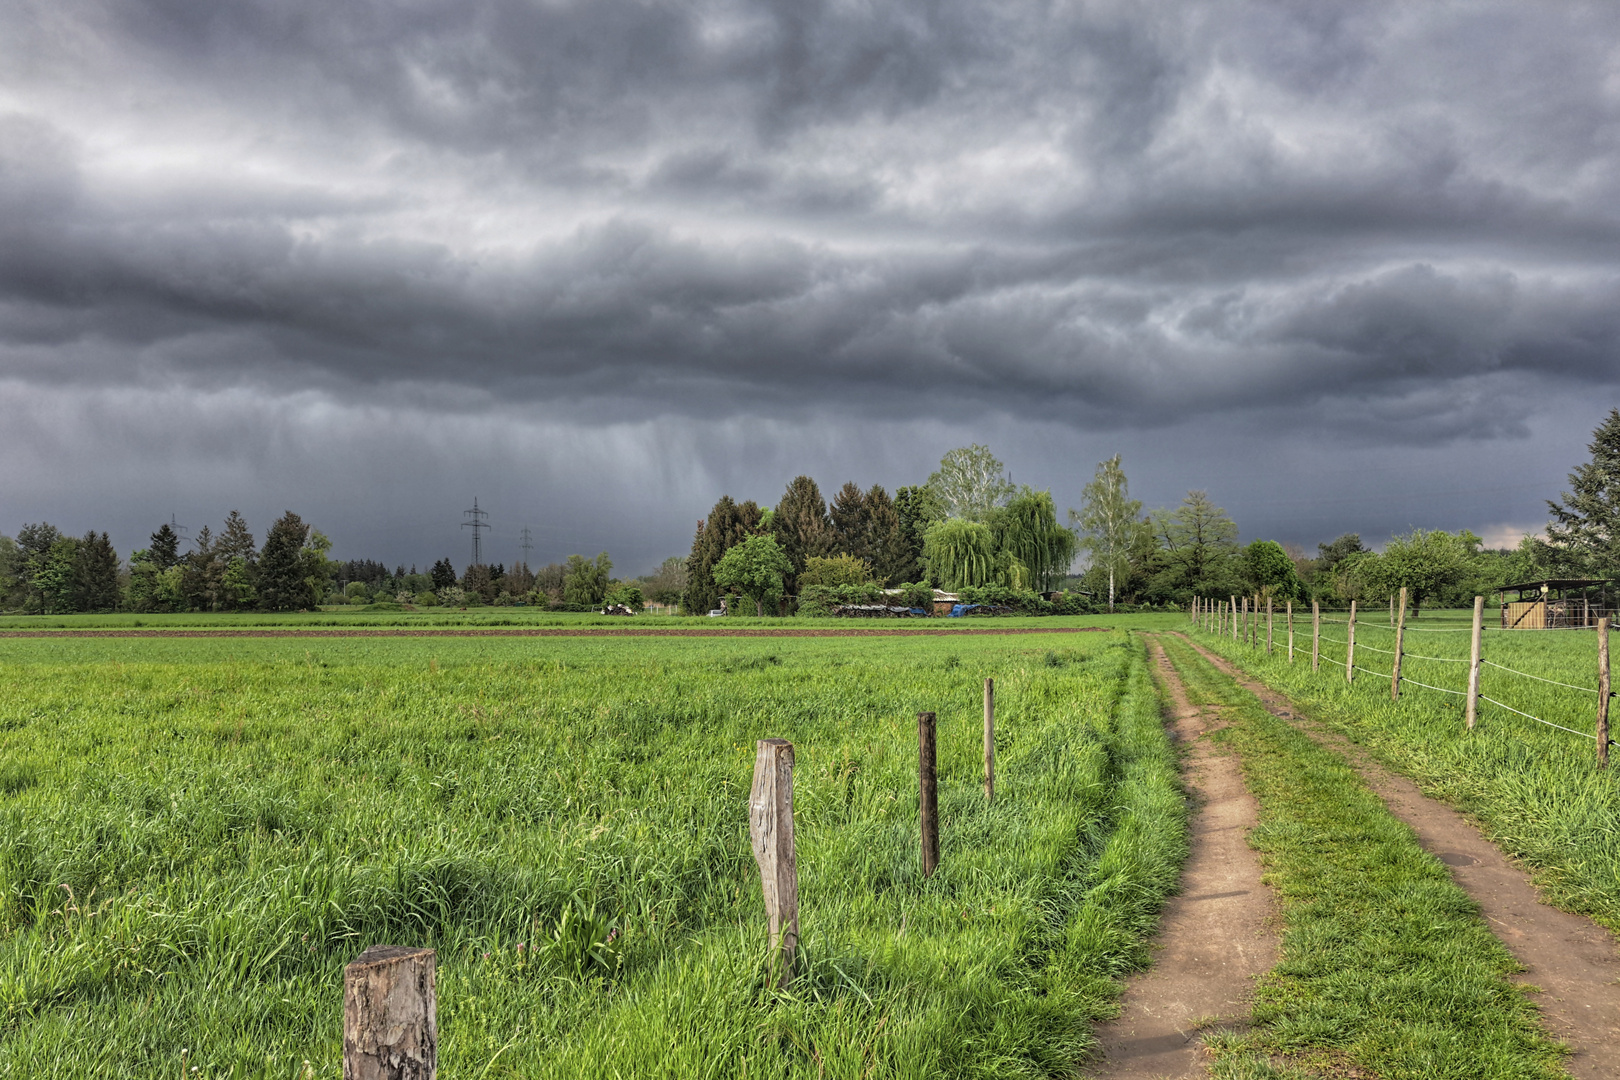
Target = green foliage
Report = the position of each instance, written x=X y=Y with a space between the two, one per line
x=283 y=576
x=1584 y=535
x=819 y=600
x=801 y=525
x=916 y=508
x=95 y=574
x=1027 y=529
x=960 y=553
x=970 y=483
x=425 y=599
x=917 y=595
x=1110 y=523
x=1023 y=601
x=586 y=582
x=1423 y=561
x=627 y=594
x=757 y=568
x=728 y=524
x=1270 y=570
x=1199 y=551
x=840 y=569
x=666 y=584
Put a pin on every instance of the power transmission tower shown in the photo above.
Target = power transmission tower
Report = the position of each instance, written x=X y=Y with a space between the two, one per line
x=527 y=545
x=179 y=529
x=477 y=524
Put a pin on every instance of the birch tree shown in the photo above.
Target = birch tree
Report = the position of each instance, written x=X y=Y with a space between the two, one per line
x=1109 y=521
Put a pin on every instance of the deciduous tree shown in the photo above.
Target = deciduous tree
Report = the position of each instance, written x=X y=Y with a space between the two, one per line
x=586 y=582
x=757 y=568
x=1109 y=521
x=961 y=553
x=1027 y=530
x=970 y=482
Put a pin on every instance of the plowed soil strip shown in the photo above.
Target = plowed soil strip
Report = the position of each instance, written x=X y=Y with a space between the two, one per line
x=1215 y=936
x=561 y=631
x=1571 y=958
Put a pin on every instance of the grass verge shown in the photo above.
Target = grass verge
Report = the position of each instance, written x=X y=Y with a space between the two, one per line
x=1387 y=968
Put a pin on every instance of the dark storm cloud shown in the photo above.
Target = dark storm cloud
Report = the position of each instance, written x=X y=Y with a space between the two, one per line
x=1392 y=221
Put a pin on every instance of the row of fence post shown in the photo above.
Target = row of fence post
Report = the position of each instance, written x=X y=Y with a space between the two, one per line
x=1221 y=617
x=390 y=1007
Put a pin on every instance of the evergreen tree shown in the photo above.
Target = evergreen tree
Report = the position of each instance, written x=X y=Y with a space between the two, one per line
x=851 y=523
x=801 y=525
x=202 y=574
x=443 y=575
x=236 y=542
x=32 y=560
x=165 y=549
x=917 y=508
x=891 y=555
x=95 y=574
x=282 y=584
x=1584 y=534
x=728 y=524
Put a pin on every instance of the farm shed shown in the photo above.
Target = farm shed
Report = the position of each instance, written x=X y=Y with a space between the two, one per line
x=1555 y=603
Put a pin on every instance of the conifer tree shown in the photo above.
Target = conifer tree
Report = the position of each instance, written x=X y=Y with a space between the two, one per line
x=282 y=585
x=851 y=522
x=165 y=550
x=95 y=574
x=801 y=525
x=1585 y=527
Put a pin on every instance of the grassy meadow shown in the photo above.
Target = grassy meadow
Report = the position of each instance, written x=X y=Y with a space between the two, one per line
x=196 y=835
x=1536 y=790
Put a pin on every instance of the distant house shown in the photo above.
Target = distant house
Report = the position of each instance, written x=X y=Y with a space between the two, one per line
x=1555 y=603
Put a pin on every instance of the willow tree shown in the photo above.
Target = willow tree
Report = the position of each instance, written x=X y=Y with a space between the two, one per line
x=1109 y=520
x=1027 y=529
x=961 y=553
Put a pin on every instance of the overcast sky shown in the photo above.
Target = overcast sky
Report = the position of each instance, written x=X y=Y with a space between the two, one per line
x=1347 y=266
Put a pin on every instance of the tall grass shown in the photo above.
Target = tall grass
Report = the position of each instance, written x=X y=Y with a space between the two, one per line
x=196 y=836
x=1536 y=791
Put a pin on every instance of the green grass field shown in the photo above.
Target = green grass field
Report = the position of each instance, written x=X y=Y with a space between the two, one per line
x=1536 y=790
x=196 y=836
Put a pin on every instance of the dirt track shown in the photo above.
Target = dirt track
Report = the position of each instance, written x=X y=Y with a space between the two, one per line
x=1572 y=959
x=1215 y=935
x=562 y=631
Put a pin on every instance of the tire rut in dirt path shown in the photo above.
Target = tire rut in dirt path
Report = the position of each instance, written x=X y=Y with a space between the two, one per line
x=1215 y=936
x=1572 y=959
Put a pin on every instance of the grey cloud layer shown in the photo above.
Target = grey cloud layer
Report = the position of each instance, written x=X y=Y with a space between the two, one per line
x=1103 y=212
x=662 y=250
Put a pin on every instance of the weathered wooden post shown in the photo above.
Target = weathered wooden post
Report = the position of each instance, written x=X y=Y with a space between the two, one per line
x=1316 y=635
x=1268 y=625
x=1350 y=646
x=1603 y=693
x=390 y=1015
x=927 y=793
x=1473 y=660
x=1391 y=609
x=1234 y=619
x=1244 y=631
x=770 y=826
x=989 y=740
x=1400 y=648
x=1290 y=617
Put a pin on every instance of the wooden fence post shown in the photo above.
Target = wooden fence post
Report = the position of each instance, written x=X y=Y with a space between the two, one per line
x=1290 y=604
x=390 y=1015
x=989 y=740
x=1350 y=646
x=1400 y=648
x=1316 y=635
x=1244 y=633
x=1391 y=609
x=1473 y=660
x=1234 y=619
x=1268 y=625
x=927 y=793
x=1603 y=693
x=770 y=826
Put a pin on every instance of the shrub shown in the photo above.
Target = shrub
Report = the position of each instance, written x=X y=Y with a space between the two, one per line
x=842 y=569
x=918 y=596
x=821 y=599
x=425 y=599
x=628 y=595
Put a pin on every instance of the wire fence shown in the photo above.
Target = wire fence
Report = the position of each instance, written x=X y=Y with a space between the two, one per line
x=1247 y=624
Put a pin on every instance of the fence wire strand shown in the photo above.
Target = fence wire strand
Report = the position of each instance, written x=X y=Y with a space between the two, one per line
x=1426 y=686
x=1538 y=678
x=1537 y=719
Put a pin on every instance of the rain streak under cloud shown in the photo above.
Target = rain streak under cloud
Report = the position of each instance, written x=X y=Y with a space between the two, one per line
x=1348 y=266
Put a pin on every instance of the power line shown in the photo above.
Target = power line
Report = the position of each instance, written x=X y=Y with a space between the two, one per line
x=477 y=524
